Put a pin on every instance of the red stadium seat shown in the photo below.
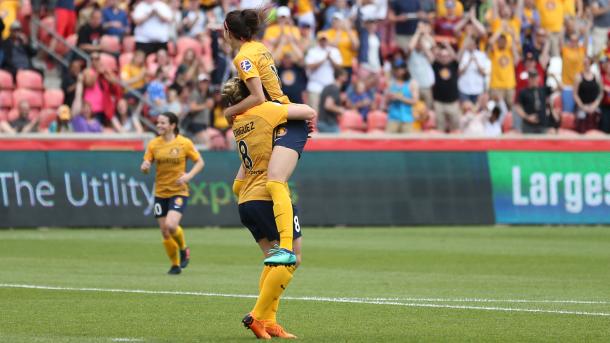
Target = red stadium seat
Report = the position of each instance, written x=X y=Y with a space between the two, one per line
x=125 y=58
x=6 y=99
x=109 y=62
x=596 y=133
x=377 y=121
x=62 y=49
x=48 y=23
x=129 y=44
x=6 y=80
x=47 y=116
x=110 y=44
x=507 y=124
x=33 y=97
x=30 y=80
x=567 y=121
x=185 y=43
x=53 y=98
x=3 y=115
x=351 y=121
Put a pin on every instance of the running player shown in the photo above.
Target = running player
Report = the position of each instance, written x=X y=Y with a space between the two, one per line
x=170 y=150
x=256 y=68
x=253 y=132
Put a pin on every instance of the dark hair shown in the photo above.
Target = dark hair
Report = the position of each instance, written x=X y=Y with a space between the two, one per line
x=173 y=119
x=339 y=72
x=245 y=24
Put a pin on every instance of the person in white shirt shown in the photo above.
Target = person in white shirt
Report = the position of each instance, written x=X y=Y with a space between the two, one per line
x=419 y=61
x=153 y=20
x=473 y=71
x=194 y=20
x=320 y=61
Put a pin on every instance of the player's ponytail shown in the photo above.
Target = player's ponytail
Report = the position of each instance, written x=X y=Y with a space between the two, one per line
x=173 y=119
x=233 y=92
x=246 y=24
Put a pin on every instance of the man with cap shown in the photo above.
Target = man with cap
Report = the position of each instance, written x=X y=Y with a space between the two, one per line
x=17 y=51
x=531 y=106
x=320 y=62
x=283 y=33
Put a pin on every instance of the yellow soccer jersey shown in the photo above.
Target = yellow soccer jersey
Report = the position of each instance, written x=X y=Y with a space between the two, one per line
x=170 y=158
x=254 y=131
x=255 y=60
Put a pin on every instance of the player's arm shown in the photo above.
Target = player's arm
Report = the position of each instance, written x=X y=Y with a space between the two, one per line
x=239 y=180
x=256 y=97
x=148 y=158
x=300 y=112
x=198 y=165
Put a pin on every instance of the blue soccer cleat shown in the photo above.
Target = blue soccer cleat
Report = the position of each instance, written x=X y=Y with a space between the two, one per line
x=280 y=256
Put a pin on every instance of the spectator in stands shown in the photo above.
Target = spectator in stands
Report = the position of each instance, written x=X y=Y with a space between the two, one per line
x=419 y=62
x=293 y=76
x=152 y=19
x=200 y=111
x=507 y=20
x=23 y=123
x=175 y=24
x=83 y=119
x=530 y=19
x=18 y=52
x=600 y=9
x=65 y=18
x=330 y=107
x=403 y=94
x=221 y=55
x=405 y=16
x=102 y=90
x=188 y=69
x=531 y=106
x=551 y=20
x=305 y=12
x=445 y=90
x=445 y=26
x=588 y=94
x=504 y=58
x=115 y=20
x=68 y=80
x=124 y=121
x=163 y=62
x=573 y=54
x=89 y=35
x=343 y=37
x=320 y=62
x=474 y=67
x=63 y=122
x=133 y=74
x=338 y=6
x=155 y=91
x=369 y=53
x=173 y=103
x=472 y=121
x=528 y=63
x=283 y=36
x=359 y=98
x=604 y=121
x=193 y=20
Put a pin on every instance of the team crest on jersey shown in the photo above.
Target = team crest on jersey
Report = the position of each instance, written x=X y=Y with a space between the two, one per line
x=245 y=65
x=178 y=202
x=174 y=152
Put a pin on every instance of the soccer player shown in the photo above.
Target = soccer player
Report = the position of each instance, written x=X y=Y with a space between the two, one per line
x=257 y=69
x=170 y=151
x=254 y=131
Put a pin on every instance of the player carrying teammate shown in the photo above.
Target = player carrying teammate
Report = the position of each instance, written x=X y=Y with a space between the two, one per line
x=256 y=68
x=169 y=151
x=253 y=132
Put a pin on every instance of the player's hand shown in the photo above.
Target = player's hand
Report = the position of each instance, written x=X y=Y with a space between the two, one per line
x=184 y=179
x=145 y=167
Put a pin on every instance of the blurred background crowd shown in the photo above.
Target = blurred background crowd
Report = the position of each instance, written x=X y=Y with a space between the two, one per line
x=475 y=67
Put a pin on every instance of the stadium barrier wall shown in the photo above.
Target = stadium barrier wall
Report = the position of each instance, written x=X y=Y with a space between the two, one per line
x=398 y=182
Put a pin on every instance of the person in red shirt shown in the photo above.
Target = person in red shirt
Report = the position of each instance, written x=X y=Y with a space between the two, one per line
x=529 y=63
x=604 y=122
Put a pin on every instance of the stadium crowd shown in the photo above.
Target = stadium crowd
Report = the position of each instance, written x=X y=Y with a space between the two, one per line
x=476 y=67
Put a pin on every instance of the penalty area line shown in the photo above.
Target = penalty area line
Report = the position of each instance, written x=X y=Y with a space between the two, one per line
x=314 y=299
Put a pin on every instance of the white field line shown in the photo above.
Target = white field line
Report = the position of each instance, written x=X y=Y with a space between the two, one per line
x=124 y=339
x=327 y=299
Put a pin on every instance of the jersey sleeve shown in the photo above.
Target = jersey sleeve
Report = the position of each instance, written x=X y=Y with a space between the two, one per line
x=191 y=151
x=148 y=154
x=275 y=113
x=246 y=69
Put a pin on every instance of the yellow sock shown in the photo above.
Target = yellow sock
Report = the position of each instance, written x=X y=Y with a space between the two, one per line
x=282 y=209
x=274 y=285
x=171 y=248
x=264 y=273
x=178 y=236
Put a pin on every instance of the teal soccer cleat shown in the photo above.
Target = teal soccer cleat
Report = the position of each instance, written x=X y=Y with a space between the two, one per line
x=280 y=256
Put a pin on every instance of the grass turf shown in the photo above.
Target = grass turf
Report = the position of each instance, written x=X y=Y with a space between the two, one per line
x=469 y=274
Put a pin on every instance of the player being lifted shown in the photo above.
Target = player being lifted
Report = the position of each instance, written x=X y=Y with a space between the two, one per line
x=254 y=130
x=170 y=151
x=256 y=68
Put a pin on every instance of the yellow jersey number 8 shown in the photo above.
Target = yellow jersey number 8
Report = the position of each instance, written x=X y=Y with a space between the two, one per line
x=245 y=157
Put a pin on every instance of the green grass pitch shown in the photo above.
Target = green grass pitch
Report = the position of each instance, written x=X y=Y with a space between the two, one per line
x=481 y=284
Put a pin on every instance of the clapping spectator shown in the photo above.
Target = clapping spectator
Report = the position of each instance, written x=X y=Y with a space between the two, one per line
x=83 y=119
x=472 y=121
x=283 y=36
x=419 y=62
x=551 y=19
x=504 y=58
x=474 y=68
x=369 y=53
x=193 y=20
x=23 y=123
x=152 y=19
x=115 y=20
x=18 y=52
x=89 y=35
x=343 y=37
x=588 y=94
x=403 y=94
x=445 y=90
x=320 y=62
